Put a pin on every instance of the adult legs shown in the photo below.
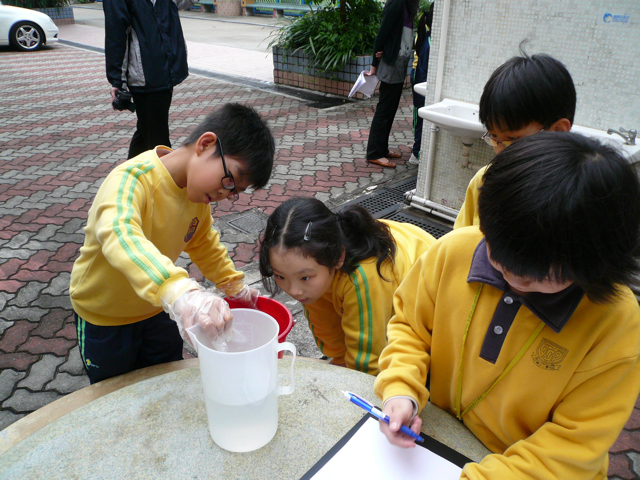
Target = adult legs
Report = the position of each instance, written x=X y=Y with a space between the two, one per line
x=378 y=144
x=417 y=76
x=418 y=102
x=152 y=129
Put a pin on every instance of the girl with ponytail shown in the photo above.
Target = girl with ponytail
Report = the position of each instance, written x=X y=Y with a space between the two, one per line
x=344 y=268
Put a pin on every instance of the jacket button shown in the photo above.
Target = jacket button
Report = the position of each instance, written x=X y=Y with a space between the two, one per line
x=497 y=330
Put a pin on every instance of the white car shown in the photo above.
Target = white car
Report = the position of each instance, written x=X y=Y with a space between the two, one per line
x=26 y=29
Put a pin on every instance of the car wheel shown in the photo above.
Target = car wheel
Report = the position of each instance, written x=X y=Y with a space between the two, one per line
x=26 y=36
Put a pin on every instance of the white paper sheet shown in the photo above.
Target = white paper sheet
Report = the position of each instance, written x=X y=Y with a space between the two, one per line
x=365 y=84
x=368 y=454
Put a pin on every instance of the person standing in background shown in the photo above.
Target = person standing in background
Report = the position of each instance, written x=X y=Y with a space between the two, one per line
x=392 y=53
x=422 y=46
x=145 y=52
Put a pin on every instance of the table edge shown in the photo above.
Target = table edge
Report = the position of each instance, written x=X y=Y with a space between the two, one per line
x=30 y=424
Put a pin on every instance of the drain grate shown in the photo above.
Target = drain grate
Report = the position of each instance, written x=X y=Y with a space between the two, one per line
x=433 y=228
x=388 y=203
x=316 y=100
x=329 y=103
x=380 y=203
x=404 y=185
x=249 y=223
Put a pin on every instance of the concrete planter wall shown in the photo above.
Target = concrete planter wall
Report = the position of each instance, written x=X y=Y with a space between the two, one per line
x=60 y=16
x=292 y=68
x=228 y=8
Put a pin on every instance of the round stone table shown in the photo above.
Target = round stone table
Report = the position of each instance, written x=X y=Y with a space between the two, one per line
x=152 y=424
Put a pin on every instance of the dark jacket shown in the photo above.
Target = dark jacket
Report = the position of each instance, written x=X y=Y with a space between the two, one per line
x=390 y=33
x=422 y=47
x=144 y=46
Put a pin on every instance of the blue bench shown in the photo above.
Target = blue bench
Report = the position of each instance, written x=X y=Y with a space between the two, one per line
x=208 y=5
x=278 y=7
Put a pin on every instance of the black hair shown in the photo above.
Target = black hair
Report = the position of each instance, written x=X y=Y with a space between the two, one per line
x=562 y=206
x=412 y=8
x=527 y=89
x=244 y=136
x=425 y=20
x=308 y=224
x=429 y=16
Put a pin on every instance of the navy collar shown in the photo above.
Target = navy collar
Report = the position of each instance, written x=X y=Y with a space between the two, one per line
x=554 y=309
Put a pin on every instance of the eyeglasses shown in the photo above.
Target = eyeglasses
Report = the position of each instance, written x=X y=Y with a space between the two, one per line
x=505 y=143
x=494 y=143
x=227 y=181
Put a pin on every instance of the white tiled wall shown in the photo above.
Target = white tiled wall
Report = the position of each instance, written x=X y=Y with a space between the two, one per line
x=603 y=59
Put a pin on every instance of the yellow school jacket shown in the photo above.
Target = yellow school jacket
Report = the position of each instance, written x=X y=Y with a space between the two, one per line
x=349 y=321
x=139 y=224
x=468 y=214
x=558 y=410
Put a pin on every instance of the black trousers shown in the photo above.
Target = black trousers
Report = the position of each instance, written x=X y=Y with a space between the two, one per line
x=110 y=351
x=378 y=145
x=152 y=129
x=418 y=102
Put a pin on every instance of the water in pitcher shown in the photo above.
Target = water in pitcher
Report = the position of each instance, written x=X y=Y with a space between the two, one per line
x=243 y=428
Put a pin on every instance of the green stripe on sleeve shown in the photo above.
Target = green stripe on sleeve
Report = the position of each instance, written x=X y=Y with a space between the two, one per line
x=363 y=344
x=319 y=342
x=80 y=332
x=123 y=204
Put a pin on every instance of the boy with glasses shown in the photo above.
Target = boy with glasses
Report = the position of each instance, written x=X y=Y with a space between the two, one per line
x=131 y=302
x=524 y=96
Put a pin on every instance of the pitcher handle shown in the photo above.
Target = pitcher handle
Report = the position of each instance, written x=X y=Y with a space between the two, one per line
x=287 y=390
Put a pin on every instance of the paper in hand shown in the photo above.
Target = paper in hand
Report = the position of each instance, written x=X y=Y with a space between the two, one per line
x=365 y=84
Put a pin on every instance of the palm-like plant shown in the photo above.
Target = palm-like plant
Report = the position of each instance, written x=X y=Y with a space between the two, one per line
x=331 y=35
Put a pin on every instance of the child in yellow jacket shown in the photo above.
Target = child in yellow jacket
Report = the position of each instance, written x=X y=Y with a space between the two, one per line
x=524 y=96
x=525 y=325
x=344 y=268
x=131 y=302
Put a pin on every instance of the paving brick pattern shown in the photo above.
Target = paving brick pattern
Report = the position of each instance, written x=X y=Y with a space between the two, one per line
x=59 y=138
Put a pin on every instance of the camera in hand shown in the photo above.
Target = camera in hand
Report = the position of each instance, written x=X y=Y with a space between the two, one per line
x=123 y=101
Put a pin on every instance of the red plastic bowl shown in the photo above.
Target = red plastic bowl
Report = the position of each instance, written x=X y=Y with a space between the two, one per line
x=277 y=310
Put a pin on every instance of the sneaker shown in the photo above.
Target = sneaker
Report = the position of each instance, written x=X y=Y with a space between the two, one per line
x=414 y=160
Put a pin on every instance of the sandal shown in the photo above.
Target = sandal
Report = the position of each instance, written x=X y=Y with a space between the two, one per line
x=383 y=162
x=392 y=154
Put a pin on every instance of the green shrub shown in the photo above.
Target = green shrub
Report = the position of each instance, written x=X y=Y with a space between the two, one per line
x=329 y=40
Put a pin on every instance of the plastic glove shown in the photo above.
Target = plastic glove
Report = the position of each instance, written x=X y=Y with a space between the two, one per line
x=240 y=292
x=247 y=296
x=198 y=307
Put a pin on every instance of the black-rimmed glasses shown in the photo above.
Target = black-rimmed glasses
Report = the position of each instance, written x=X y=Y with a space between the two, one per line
x=227 y=181
x=505 y=143
x=494 y=143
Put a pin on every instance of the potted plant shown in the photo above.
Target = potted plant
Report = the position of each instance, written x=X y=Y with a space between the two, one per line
x=326 y=49
x=59 y=10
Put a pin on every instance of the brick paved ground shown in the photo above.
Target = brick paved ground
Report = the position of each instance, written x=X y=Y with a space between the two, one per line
x=58 y=140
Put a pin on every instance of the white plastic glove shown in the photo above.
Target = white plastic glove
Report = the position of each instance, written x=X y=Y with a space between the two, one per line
x=198 y=307
x=247 y=296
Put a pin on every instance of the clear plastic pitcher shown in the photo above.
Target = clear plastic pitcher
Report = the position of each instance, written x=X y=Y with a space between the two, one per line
x=240 y=385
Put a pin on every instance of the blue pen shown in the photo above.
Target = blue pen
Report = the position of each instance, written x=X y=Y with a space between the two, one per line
x=362 y=403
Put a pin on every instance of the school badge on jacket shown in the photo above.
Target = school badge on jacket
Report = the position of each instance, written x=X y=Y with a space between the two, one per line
x=549 y=355
x=192 y=229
